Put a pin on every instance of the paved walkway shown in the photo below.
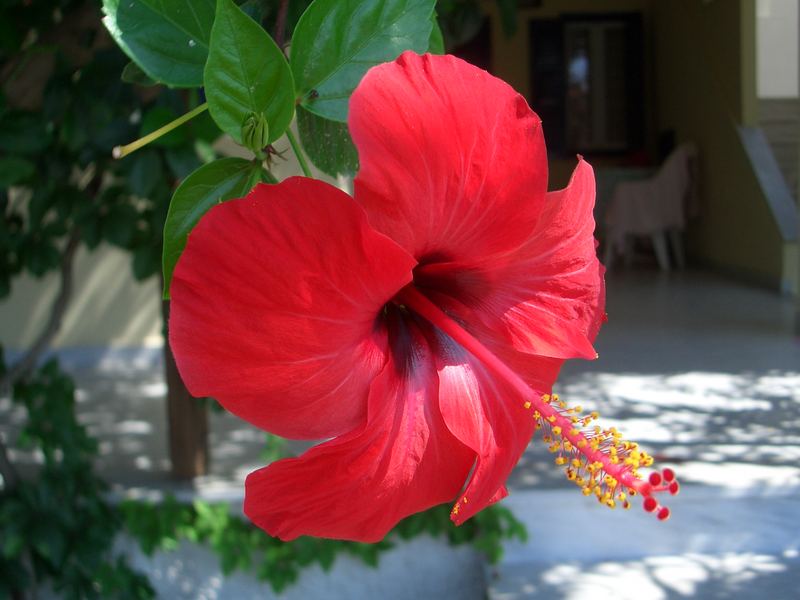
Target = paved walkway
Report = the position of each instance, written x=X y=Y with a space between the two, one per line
x=705 y=374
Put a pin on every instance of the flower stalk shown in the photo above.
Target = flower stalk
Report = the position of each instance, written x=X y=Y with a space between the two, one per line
x=123 y=151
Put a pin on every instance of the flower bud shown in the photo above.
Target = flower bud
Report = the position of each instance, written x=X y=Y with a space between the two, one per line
x=255 y=132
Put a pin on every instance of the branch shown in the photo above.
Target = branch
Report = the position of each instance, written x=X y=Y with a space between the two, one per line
x=59 y=307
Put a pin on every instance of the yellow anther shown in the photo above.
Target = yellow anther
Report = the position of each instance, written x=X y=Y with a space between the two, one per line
x=587 y=491
x=570 y=474
x=582 y=443
x=527 y=405
x=610 y=503
x=594 y=415
x=546 y=398
x=537 y=415
x=554 y=447
x=578 y=408
x=547 y=438
x=552 y=418
x=576 y=462
x=556 y=430
x=580 y=481
x=573 y=432
x=567 y=446
x=561 y=461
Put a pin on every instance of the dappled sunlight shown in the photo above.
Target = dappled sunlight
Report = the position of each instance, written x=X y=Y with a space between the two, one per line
x=704 y=374
x=658 y=578
x=721 y=429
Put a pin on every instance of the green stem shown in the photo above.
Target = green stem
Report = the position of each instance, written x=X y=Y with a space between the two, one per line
x=299 y=153
x=122 y=151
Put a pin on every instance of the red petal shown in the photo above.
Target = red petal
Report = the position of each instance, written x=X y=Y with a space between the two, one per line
x=453 y=162
x=275 y=304
x=487 y=415
x=548 y=297
x=358 y=486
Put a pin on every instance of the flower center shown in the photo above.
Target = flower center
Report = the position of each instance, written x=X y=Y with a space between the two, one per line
x=598 y=460
x=439 y=273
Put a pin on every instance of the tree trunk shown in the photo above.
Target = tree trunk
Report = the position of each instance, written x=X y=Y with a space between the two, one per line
x=187 y=419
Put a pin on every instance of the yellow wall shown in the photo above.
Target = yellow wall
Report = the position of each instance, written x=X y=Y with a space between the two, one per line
x=108 y=307
x=705 y=85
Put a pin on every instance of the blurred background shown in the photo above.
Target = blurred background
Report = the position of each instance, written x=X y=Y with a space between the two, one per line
x=689 y=112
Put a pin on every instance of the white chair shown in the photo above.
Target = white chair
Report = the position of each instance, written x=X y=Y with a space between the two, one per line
x=656 y=207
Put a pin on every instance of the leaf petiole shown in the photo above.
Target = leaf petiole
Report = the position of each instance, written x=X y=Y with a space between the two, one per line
x=122 y=151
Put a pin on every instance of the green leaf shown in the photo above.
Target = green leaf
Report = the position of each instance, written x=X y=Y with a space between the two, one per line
x=327 y=144
x=24 y=133
x=13 y=544
x=211 y=184
x=14 y=169
x=436 y=41
x=168 y=39
x=268 y=177
x=246 y=74
x=146 y=261
x=182 y=161
x=337 y=41
x=132 y=73
x=49 y=543
x=146 y=172
x=119 y=225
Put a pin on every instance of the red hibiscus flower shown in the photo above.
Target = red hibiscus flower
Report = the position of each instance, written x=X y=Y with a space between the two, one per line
x=419 y=327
